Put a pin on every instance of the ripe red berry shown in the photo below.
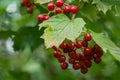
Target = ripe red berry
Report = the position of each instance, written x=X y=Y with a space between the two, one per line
x=71 y=46
x=62 y=59
x=71 y=60
x=74 y=9
x=23 y=3
x=51 y=6
x=59 y=3
x=76 y=65
x=66 y=9
x=97 y=60
x=96 y=48
x=87 y=37
x=54 y=48
x=87 y=51
x=99 y=54
x=29 y=10
x=64 y=65
x=58 y=10
x=88 y=63
x=29 y=4
x=84 y=43
x=84 y=70
x=72 y=54
x=41 y=17
x=63 y=45
x=78 y=44
x=57 y=54
x=46 y=17
x=78 y=56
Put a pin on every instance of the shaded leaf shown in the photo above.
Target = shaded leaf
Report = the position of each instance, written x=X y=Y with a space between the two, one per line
x=59 y=28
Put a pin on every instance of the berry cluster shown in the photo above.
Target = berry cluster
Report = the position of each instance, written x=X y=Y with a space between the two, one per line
x=59 y=7
x=28 y=4
x=42 y=17
x=80 y=55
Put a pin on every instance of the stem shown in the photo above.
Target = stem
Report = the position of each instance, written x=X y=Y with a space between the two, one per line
x=73 y=16
x=49 y=13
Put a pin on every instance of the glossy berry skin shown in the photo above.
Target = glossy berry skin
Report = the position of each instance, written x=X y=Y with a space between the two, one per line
x=88 y=64
x=62 y=59
x=74 y=9
x=71 y=46
x=41 y=17
x=57 y=54
x=71 y=60
x=76 y=65
x=29 y=10
x=87 y=37
x=66 y=9
x=87 y=51
x=46 y=17
x=84 y=43
x=78 y=44
x=84 y=70
x=51 y=6
x=59 y=3
x=96 y=48
x=58 y=10
x=64 y=65
x=97 y=60
x=63 y=45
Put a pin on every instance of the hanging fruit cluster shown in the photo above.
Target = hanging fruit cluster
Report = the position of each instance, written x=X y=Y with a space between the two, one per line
x=58 y=7
x=28 y=4
x=80 y=54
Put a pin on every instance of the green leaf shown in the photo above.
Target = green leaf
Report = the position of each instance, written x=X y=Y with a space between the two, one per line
x=106 y=44
x=102 y=6
x=59 y=28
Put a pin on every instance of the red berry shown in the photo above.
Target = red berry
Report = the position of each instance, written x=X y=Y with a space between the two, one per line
x=76 y=65
x=62 y=59
x=78 y=44
x=71 y=60
x=85 y=43
x=96 y=48
x=46 y=17
x=59 y=3
x=66 y=9
x=29 y=4
x=41 y=17
x=64 y=65
x=58 y=10
x=51 y=6
x=29 y=10
x=97 y=60
x=54 y=48
x=84 y=70
x=71 y=46
x=74 y=9
x=87 y=37
x=88 y=63
x=57 y=54
x=87 y=51
x=23 y=3
x=78 y=56
x=72 y=54
x=99 y=54
x=63 y=45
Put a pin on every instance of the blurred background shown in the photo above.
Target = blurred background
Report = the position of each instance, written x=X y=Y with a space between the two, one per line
x=23 y=55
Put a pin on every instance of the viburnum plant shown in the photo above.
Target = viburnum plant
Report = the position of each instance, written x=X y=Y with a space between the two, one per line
x=66 y=33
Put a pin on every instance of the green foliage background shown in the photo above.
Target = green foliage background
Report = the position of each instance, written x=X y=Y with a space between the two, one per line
x=30 y=60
